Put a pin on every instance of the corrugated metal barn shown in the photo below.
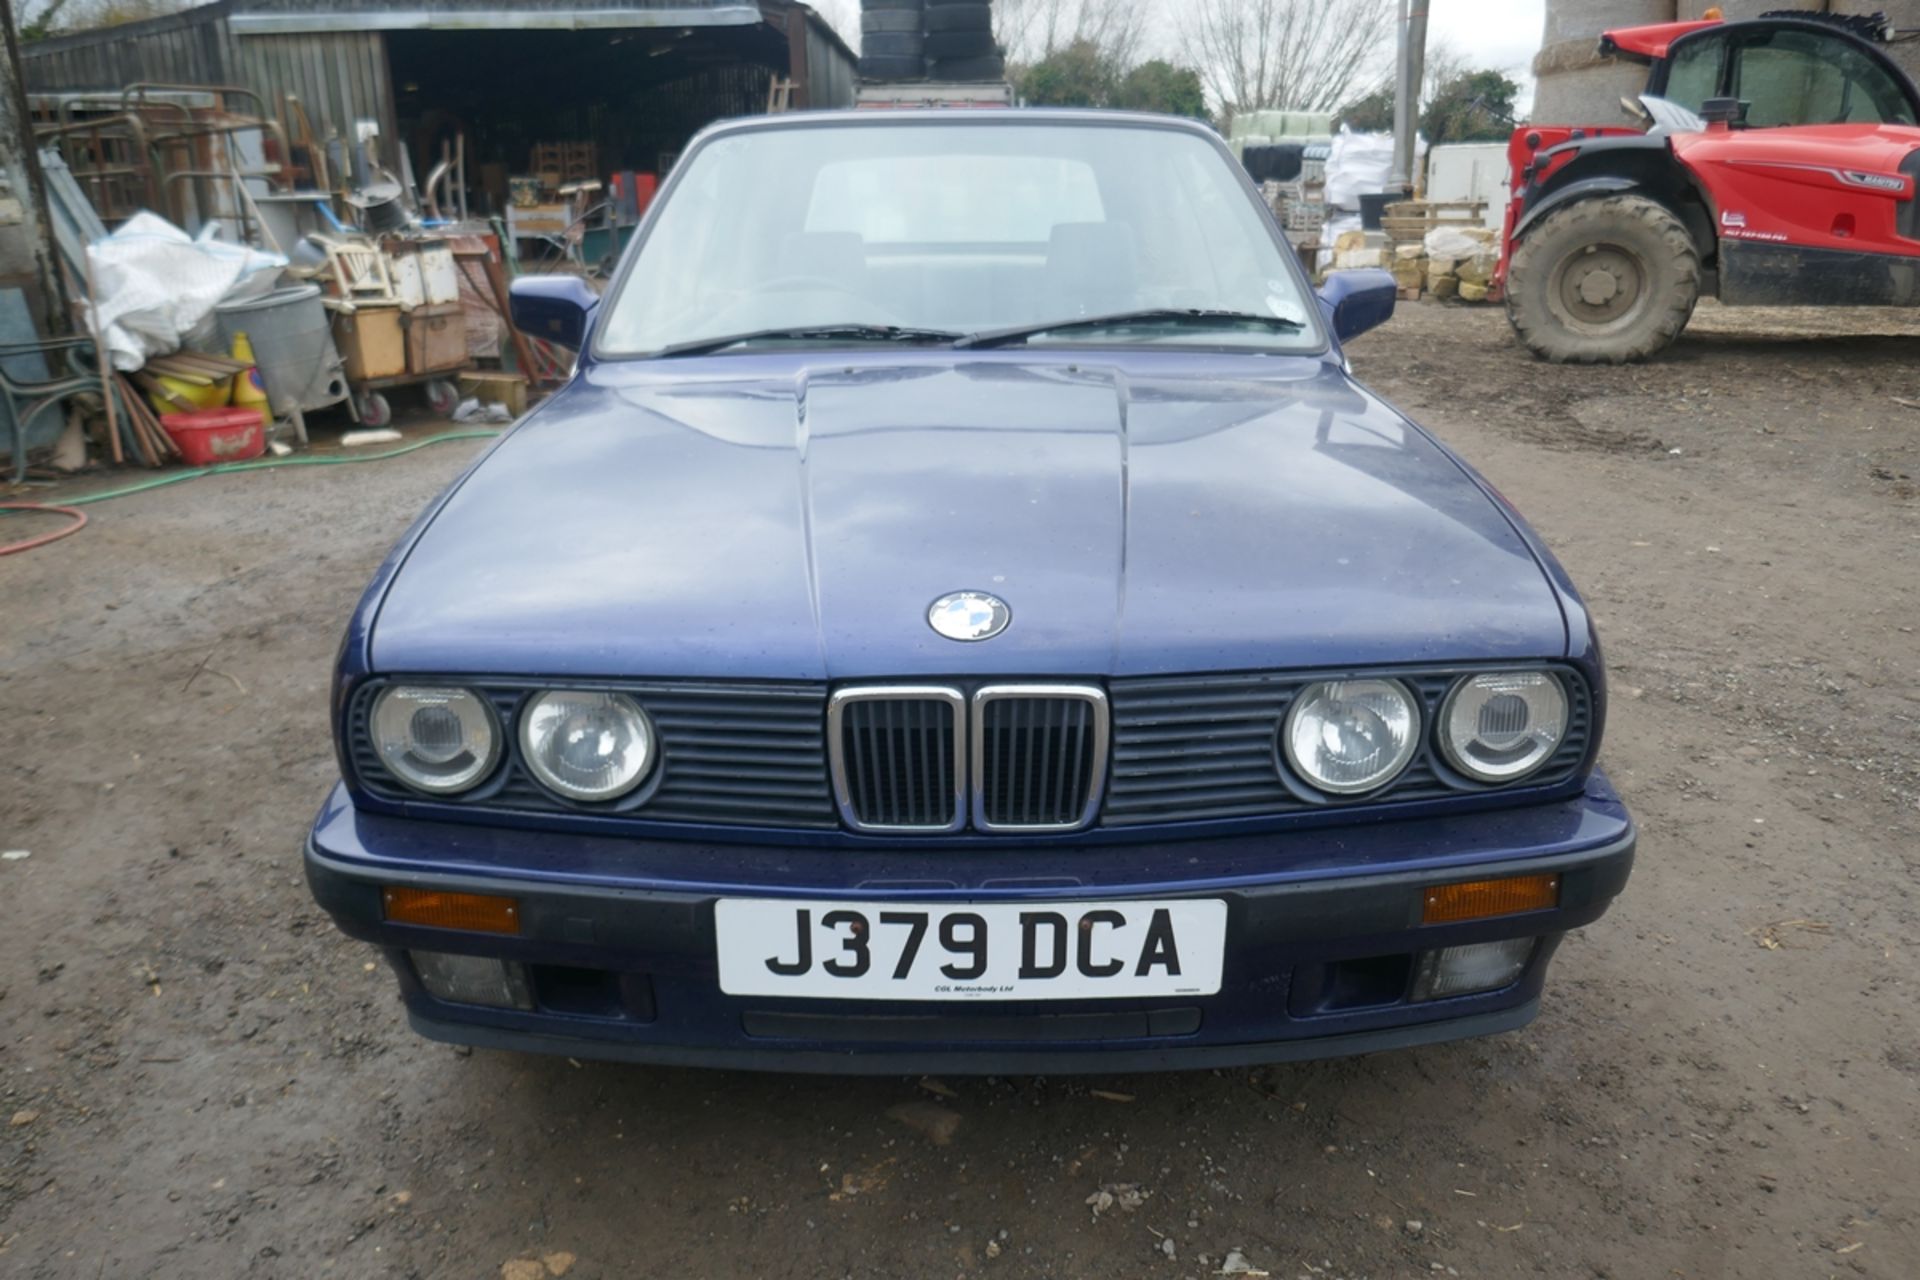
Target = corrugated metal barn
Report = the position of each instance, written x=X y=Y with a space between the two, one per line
x=635 y=77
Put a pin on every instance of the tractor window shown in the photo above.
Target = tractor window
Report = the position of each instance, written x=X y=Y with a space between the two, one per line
x=1804 y=77
x=1694 y=73
x=1788 y=76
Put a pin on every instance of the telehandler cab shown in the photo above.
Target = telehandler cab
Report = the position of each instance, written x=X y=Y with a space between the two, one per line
x=1775 y=165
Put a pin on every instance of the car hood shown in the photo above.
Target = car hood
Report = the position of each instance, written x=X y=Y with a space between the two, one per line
x=782 y=518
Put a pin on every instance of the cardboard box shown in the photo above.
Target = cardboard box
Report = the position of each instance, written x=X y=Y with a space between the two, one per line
x=371 y=344
x=494 y=386
x=436 y=338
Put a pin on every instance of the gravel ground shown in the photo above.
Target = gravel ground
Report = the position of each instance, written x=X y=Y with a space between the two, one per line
x=203 y=1079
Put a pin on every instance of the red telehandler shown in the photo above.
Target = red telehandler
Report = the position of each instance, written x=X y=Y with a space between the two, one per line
x=1775 y=165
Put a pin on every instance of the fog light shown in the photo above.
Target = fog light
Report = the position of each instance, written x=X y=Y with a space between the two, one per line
x=473 y=980
x=1463 y=971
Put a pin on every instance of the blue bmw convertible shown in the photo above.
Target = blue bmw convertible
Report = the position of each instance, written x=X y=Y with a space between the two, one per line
x=961 y=615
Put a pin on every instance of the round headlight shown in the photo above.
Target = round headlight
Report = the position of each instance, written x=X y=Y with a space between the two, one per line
x=1502 y=726
x=585 y=745
x=1352 y=736
x=439 y=741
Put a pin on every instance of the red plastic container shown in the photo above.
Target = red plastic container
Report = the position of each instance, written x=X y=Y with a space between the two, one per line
x=212 y=436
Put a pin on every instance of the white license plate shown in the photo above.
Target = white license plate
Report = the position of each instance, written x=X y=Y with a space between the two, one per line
x=977 y=951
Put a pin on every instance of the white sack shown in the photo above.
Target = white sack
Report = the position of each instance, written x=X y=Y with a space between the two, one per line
x=1474 y=251
x=1453 y=242
x=1361 y=164
x=153 y=283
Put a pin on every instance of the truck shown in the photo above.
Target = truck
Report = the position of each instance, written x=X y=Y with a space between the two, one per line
x=900 y=95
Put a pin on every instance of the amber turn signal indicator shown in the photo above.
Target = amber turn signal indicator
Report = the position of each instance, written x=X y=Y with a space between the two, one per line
x=474 y=912
x=1485 y=899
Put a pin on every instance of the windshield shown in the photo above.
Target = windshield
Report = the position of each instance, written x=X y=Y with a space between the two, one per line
x=838 y=235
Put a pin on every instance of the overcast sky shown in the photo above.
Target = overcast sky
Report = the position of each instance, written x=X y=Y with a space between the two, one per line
x=1503 y=34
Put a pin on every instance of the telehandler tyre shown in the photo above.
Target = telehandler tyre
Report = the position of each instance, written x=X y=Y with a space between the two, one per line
x=1603 y=281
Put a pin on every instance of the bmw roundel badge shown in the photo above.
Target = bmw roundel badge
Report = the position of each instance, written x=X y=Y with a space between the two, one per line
x=968 y=616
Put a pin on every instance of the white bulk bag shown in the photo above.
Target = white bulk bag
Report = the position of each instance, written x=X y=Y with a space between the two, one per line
x=153 y=283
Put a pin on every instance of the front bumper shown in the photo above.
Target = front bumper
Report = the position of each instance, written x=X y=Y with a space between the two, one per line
x=618 y=937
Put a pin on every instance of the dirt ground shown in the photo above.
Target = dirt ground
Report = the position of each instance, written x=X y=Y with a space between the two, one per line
x=203 y=1079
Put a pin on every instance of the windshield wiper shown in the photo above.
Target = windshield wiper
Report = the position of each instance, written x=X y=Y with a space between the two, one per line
x=811 y=332
x=1161 y=315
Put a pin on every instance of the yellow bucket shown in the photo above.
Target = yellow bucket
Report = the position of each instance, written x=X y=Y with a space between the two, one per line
x=200 y=397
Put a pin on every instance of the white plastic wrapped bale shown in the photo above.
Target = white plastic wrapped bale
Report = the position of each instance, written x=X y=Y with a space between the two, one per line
x=1251 y=124
x=1282 y=124
x=153 y=285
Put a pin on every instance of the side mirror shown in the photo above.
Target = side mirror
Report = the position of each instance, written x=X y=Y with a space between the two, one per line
x=553 y=308
x=1730 y=112
x=1356 y=301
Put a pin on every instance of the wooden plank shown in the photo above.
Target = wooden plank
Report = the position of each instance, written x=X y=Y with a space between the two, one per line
x=153 y=386
x=203 y=362
x=497 y=285
x=166 y=367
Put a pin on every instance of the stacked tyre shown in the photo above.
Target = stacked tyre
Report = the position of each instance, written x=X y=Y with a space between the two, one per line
x=921 y=39
x=893 y=40
x=959 y=43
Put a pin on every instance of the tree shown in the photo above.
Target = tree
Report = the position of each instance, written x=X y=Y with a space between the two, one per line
x=88 y=15
x=1463 y=105
x=1473 y=106
x=1079 y=75
x=1083 y=75
x=1160 y=86
x=1299 y=55
x=40 y=26
x=1370 y=113
x=1032 y=31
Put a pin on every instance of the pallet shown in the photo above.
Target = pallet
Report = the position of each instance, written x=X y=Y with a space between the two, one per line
x=1409 y=221
x=554 y=164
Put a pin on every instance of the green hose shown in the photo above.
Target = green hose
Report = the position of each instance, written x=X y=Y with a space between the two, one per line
x=305 y=460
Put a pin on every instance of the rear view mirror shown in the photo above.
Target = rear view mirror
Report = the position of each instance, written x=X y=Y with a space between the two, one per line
x=553 y=308
x=1356 y=301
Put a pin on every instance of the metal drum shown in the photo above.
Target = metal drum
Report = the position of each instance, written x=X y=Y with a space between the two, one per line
x=292 y=347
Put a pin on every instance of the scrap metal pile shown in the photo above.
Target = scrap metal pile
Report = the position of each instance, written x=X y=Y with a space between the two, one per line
x=230 y=271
